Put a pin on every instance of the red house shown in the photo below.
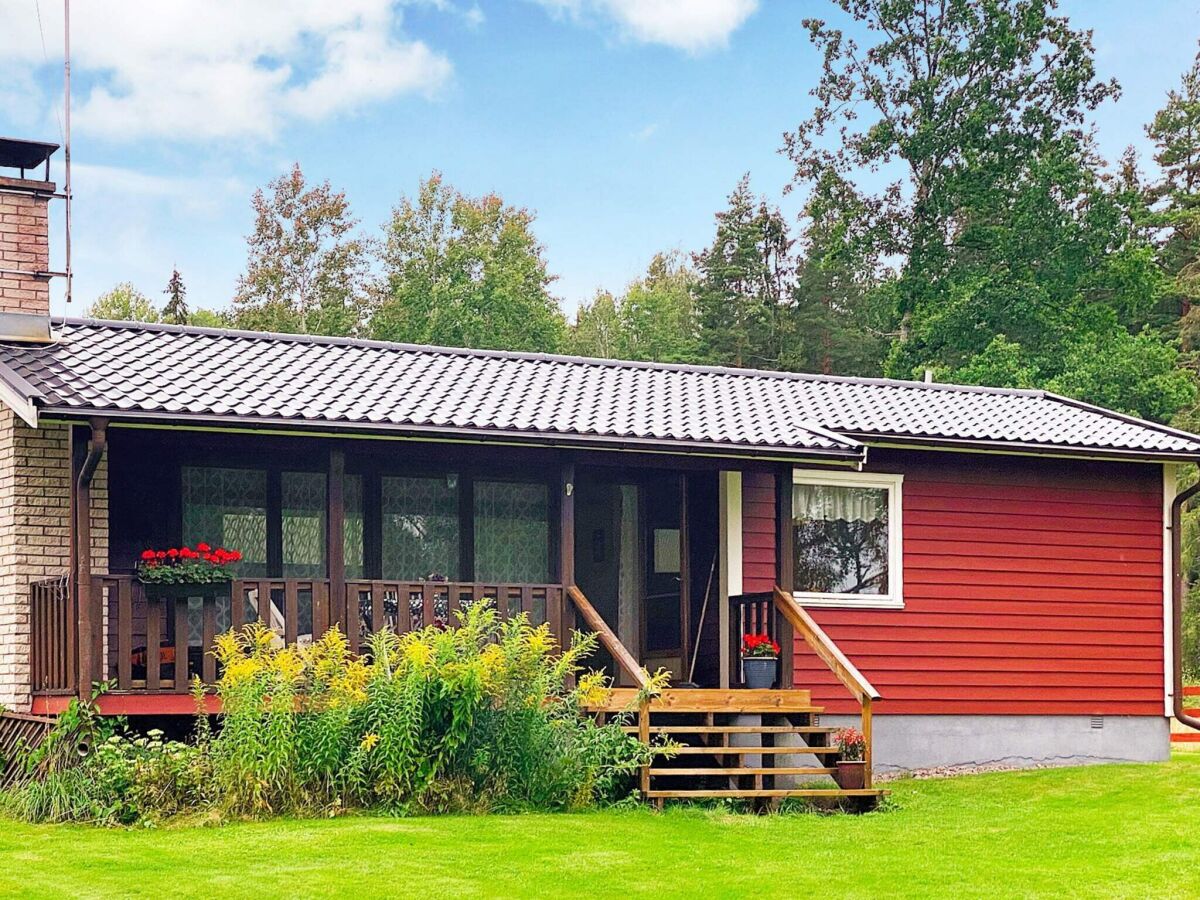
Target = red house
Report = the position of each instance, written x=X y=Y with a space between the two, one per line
x=976 y=575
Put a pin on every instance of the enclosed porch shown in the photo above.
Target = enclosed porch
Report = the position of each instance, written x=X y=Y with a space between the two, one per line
x=370 y=534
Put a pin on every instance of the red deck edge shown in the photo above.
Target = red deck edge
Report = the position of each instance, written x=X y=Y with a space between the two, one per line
x=129 y=704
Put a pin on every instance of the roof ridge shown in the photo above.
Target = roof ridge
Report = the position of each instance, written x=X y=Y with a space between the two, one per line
x=534 y=356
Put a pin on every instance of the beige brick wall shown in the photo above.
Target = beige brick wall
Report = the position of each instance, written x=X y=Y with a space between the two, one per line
x=25 y=246
x=35 y=533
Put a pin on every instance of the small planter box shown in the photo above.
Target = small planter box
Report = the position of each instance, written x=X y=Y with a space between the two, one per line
x=185 y=590
x=759 y=671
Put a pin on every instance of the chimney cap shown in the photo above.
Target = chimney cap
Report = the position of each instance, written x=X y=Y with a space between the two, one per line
x=16 y=153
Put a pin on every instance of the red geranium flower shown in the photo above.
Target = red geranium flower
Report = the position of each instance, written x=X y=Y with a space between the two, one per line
x=173 y=552
x=161 y=554
x=147 y=555
x=203 y=547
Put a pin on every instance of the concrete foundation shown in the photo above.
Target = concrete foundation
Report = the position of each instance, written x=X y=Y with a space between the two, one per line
x=903 y=743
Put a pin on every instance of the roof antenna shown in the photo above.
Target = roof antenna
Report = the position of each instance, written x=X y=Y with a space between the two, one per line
x=67 y=140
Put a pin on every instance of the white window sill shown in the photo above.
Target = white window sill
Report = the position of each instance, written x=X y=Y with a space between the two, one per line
x=844 y=602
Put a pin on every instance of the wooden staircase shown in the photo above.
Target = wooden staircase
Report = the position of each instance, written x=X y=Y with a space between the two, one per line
x=739 y=743
x=761 y=745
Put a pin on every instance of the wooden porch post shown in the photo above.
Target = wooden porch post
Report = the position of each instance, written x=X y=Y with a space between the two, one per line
x=335 y=535
x=83 y=467
x=685 y=578
x=785 y=574
x=563 y=617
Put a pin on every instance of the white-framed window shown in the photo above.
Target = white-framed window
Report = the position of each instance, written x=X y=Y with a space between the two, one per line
x=846 y=541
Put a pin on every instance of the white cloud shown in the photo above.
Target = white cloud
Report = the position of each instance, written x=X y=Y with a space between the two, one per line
x=212 y=69
x=690 y=25
x=646 y=132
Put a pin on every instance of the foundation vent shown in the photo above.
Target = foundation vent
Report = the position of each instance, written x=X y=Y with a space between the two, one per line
x=1097 y=722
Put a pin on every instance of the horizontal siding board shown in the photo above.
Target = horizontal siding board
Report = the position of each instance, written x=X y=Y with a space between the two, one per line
x=1079 y=510
x=957 y=552
x=1074 y=529
x=966 y=563
x=1023 y=537
x=1031 y=587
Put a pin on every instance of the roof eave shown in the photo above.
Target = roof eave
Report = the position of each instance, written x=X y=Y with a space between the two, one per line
x=1019 y=448
x=853 y=452
x=19 y=395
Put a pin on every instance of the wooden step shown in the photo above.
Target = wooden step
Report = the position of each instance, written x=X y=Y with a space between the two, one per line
x=734 y=729
x=744 y=751
x=769 y=792
x=714 y=700
x=748 y=770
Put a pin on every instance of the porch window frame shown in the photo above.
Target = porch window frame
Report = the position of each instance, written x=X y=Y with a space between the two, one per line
x=273 y=473
x=374 y=470
x=893 y=483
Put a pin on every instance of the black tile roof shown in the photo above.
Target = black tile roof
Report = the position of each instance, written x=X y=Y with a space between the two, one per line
x=172 y=372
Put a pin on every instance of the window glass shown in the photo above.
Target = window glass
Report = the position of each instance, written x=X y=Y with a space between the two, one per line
x=420 y=528
x=841 y=539
x=512 y=532
x=227 y=508
x=303 y=508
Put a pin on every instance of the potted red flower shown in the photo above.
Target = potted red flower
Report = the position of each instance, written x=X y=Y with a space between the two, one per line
x=186 y=571
x=851 y=769
x=760 y=660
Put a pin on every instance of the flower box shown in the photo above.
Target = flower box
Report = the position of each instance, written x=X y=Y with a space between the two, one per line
x=185 y=590
x=183 y=572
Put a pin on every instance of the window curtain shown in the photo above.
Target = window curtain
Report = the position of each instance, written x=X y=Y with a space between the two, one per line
x=826 y=502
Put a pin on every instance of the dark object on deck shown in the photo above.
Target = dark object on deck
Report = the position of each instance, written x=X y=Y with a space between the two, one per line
x=760 y=671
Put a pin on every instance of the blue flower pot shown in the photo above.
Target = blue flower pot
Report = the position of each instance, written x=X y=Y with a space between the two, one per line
x=759 y=671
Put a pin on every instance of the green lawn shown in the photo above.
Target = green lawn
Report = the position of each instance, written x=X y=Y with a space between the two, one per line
x=1103 y=831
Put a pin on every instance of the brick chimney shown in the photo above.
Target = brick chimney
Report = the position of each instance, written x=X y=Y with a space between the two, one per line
x=25 y=239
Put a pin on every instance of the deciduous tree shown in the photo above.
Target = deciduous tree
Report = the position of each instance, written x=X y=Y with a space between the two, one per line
x=465 y=272
x=305 y=268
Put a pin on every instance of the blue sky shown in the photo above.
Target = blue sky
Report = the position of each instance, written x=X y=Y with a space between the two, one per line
x=622 y=123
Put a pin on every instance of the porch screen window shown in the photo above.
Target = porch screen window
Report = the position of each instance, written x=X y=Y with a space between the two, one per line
x=512 y=532
x=352 y=533
x=228 y=508
x=420 y=528
x=846 y=534
x=303 y=507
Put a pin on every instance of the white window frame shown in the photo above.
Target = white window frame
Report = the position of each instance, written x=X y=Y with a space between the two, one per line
x=894 y=484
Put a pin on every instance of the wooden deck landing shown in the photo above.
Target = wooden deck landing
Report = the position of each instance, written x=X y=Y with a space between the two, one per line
x=713 y=700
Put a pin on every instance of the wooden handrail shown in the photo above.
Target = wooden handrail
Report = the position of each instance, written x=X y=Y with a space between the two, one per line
x=822 y=645
x=608 y=637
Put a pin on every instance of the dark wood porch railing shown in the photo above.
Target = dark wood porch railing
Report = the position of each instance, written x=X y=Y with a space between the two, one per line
x=152 y=645
x=762 y=613
x=52 y=665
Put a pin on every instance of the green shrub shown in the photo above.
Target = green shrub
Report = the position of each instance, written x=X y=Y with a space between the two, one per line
x=475 y=717
x=490 y=715
x=89 y=769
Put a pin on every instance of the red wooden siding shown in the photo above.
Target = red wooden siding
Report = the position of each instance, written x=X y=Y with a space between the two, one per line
x=1030 y=587
x=758 y=532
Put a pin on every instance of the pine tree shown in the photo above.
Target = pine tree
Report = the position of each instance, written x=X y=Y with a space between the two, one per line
x=176 y=310
x=1176 y=135
x=745 y=285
